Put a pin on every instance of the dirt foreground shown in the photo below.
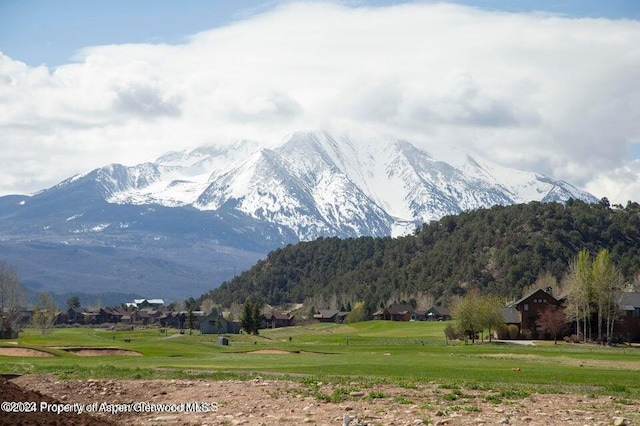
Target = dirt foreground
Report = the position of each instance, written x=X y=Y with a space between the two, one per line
x=280 y=402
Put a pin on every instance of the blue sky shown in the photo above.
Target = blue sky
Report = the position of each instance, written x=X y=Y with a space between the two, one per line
x=51 y=32
x=549 y=86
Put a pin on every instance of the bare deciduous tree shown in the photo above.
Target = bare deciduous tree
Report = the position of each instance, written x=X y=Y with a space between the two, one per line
x=12 y=298
x=207 y=305
x=44 y=313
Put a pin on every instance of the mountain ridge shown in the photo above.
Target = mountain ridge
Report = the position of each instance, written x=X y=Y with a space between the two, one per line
x=311 y=177
x=175 y=213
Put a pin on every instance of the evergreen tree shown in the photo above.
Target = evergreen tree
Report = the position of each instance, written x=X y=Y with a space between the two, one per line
x=251 y=319
x=246 y=320
x=73 y=302
x=191 y=321
x=256 y=319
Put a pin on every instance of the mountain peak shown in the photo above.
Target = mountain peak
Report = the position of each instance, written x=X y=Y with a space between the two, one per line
x=318 y=184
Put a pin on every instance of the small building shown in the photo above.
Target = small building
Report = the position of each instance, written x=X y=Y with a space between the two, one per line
x=70 y=316
x=113 y=315
x=381 y=314
x=331 y=315
x=276 y=319
x=171 y=319
x=395 y=312
x=95 y=316
x=418 y=315
x=210 y=324
x=438 y=313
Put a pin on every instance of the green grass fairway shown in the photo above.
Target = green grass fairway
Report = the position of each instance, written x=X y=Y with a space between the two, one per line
x=374 y=350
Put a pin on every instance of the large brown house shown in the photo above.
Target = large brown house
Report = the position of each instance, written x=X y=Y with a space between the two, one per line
x=530 y=307
x=395 y=312
x=277 y=319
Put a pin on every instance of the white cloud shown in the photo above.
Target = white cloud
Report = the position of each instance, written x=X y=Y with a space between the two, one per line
x=539 y=92
x=619 y=185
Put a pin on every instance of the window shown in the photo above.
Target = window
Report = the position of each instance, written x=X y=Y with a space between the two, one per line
x=526 y=307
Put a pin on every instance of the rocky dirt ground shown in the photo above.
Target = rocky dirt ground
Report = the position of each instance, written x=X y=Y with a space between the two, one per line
x=279 y=402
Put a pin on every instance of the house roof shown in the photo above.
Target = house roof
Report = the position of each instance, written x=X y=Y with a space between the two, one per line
x=516 y=303
x=137 y=302
x=326 y=313
x=630 y=301
x=511 y=315
x=400 y=309
x=279 y=315
x=439 y=310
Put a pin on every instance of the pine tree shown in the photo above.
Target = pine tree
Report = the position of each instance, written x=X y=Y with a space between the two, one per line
x=256 y=319
x=246 y=321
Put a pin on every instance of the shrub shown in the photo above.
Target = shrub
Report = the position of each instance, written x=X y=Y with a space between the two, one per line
x=503 y=332
x=514 y=331
x=450 y=333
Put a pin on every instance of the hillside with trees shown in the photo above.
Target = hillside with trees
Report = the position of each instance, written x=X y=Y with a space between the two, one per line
x=496 y=251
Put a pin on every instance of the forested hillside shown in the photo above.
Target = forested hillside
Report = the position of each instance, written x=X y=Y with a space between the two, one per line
x=499 y=250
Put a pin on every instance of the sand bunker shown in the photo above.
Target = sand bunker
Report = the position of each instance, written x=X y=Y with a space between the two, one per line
x=100 y=351
x=23 y=352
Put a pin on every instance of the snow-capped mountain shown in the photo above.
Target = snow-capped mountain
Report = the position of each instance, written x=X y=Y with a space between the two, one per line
x=316 y=184
x=182 y=224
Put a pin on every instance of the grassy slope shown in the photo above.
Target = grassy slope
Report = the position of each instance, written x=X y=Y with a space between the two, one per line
x=386 y=351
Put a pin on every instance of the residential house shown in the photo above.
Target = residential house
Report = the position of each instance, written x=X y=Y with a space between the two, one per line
x=418 y=315
x=629 y=327
x=172 y=319
x=331 y=315
x=95 y=316
x=114 y=315
x=530 y=307
x=630 y=304
x=217 y=324
x=395 y=312
x=438 y=313
x=382 y=314
x=70 y=316
x=142 y=316
x=195 y=316
x=276 y=319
